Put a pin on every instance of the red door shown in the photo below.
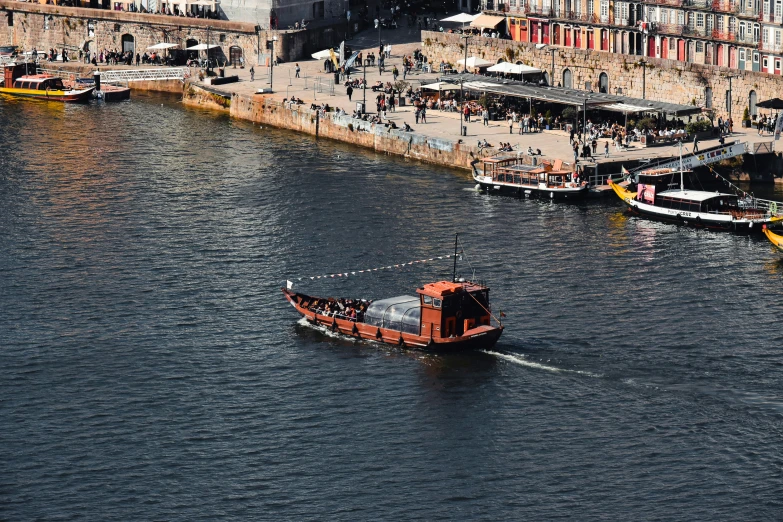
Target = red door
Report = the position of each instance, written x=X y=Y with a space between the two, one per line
x=578 y=37
x=651 y=47
x=604 y=40
x=555 y=34
x=534 y=32
x=733 y=57
x=719 y=55
x=664 y=47
x=681 y=50
x=546 y=33
x=590 y=39
x=568 y=38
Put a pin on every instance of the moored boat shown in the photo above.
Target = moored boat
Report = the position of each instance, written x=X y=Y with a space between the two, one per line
x=661 y=195
x=444 y=316
x=42 y=86
x=775 y=239
x=510 y=175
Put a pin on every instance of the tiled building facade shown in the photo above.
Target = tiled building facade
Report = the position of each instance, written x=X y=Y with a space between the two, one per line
x=739 y=34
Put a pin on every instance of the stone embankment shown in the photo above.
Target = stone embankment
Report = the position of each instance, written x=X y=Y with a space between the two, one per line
x=300 y=118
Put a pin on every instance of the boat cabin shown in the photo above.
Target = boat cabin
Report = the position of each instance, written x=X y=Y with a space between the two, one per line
x=450 y=309
x=39 y=82
x=546 y=174
x=698 y=201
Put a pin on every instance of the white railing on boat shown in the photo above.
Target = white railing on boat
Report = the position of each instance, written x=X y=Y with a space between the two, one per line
x=137 y=75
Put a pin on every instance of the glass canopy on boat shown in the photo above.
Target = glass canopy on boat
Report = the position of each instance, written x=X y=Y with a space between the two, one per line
x=401 y=313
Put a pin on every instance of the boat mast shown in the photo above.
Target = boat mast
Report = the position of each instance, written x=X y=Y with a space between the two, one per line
x=682 y=176
x=454 y=273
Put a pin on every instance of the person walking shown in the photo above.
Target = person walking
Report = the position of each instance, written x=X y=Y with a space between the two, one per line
x=349 y=92
x=606 y=149
x=418 y=114
x=594 y=145
x=510 y=124
x=485 y=117
x=297 y=70
x=695 y=144
x=423 y=114
x=252 y=73
x=395 y=73
x=466 y=112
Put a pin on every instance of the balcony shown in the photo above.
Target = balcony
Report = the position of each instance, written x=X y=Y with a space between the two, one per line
x=747 y=39
x=538 y=11
x=670 y=3
x=727 y=36
x=722 y=6
x=700 y=4
x=770 y=47
x=675 y=29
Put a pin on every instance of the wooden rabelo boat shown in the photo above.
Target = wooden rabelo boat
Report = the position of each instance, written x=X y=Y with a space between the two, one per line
x=43 y=86
x=509 y=175
x=660 y=195
x=775 y=239
x=444 y=316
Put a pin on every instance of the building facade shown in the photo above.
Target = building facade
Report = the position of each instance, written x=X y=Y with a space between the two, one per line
x=745 y=35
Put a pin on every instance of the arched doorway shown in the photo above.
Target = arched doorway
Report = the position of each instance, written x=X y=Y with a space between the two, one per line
x=752 y=104
x=568 y=79
x=190 y=42
x=708 y=97
x=603 y=83
x=235 y=55
x=128 y=43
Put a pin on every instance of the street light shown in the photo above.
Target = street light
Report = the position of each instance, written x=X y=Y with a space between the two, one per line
x=364 y=84
x=463 y=131
x=378 y=26
x=272 y=65
x=644 y=63
x=728 y=94
x=465 y=63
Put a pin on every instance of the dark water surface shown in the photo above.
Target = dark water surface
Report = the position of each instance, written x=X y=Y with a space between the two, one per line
x=151 y=370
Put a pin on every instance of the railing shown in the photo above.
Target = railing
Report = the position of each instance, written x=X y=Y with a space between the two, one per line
x=675 y=29
x=722 y=6
x=701 y=4
x=747 y=39
x=131 y=75
x=671 y=3
x=540 y=11
x=621 y=22
x=742 y=10
x=770 y=47
x=724 y=35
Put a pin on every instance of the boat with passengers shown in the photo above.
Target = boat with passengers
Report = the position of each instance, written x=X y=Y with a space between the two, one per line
x=509 y=174
x=443 y=316
x=44 y=86
x=661 y=195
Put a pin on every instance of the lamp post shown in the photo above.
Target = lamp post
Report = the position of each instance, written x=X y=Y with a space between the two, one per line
x=208 y=63
x=465 y=63
x=462 y=128
x=728 y=95
x=364 y=84
x=272 y=65
x=552 y=78
x=378 y=26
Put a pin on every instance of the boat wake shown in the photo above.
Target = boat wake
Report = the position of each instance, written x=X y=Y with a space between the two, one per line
x=522 y=361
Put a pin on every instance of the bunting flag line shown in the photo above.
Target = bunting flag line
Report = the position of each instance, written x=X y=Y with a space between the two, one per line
x=350 y=273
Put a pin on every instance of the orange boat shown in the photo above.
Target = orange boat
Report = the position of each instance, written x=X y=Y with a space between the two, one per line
x=445 y=316
x=42 y=86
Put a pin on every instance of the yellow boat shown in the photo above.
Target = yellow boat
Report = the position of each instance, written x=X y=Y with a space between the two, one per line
x=46 y=87
x=775 y=239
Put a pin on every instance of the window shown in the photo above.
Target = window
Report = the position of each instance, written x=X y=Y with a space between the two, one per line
x=604 y=9
x=777 y=64
x=766 y=7
x=672 y=44
x=742 y=55
x=756 y=32
x=708 y=98
x=755 y=57
x=709 y=23
x=719 y=20
x=603 y=83
x=568 y=79
x=651 y=14
x=10 y=18
x=742 y=31
x=700 y=20
x=765 y=63
x=590 y=8
x=436 y=303
x=699 y=47
x=427 y=300
x=777 y=37
x=732 y=24
x=680 y=17
x=691 y=20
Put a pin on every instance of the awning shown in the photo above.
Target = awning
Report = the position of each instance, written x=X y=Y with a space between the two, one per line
x=461 y=18
x=441 y=86
x=512 y=68
x=487 y=21
x=161 y=46
x=628 y=108
x=474 y=61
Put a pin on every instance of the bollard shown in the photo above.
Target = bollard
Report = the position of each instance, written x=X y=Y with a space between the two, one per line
x=97 y=77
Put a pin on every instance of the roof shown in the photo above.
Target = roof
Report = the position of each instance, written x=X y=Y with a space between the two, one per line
x=443 y=288
x=487 y=21
x=692 y=195
x=573 y=97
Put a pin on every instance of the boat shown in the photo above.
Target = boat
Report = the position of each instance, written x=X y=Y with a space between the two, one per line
x=508 y=174
x=775 y=239
x=44 y=86
x=443 y=316
x=661 y=195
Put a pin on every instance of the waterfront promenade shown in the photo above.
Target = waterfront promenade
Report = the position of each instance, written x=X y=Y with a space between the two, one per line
x=314 y=86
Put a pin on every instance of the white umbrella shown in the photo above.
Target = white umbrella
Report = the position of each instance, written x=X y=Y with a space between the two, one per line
x=504 y=67
x=473 y=62
x=441 y=86
x=322 y=55
x=201 y=47
x=161 y=46
x=461 y=18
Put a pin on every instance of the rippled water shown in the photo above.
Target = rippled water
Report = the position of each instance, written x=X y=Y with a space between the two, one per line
x=150 y=368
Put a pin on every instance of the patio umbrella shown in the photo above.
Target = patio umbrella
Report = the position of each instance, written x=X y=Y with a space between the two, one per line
x=201 y=47
x=473 y=62
x=774 y=103
x=441 y=86
x=322 y=55
x=161 y=46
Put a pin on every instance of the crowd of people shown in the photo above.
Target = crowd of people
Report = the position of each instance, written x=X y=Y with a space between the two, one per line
x=348 y=309
x=198 y=12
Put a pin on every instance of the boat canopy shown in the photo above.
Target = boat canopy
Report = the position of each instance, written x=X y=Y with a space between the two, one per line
x=402 y=313
x=694 y=195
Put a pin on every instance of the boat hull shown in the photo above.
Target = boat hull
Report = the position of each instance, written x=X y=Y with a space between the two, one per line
x=479 y=338
x=775 y=239
x=532 y=191
x=81 y=95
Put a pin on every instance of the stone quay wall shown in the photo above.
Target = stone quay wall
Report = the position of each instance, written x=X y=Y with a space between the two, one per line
x=28 y=25
x=664 y=80
x=264 y=110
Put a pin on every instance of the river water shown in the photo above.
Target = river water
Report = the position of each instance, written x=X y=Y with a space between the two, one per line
x=150 y=368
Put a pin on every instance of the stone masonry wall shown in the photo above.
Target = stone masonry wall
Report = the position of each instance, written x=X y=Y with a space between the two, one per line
x=29 y=25
x=665 y=80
